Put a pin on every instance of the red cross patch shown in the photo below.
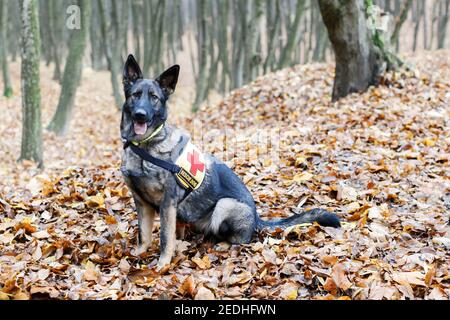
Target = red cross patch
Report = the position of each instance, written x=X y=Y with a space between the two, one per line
x=195 y=162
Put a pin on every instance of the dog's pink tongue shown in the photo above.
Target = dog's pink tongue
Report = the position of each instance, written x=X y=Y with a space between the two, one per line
x=140 y=128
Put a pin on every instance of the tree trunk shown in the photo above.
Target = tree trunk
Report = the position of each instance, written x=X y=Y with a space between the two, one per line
x=253 y=54
x=14 y=25
x=31 y=95
x=434 y=17
x=203 y=55
x=294 y=36
x=159 y=36
x=72 y=72
x=321 y=38
x=311 y=33
x=95 y=38
x=321 y=42
x=223 y=12
x=148 y=26
x=7 y=91
x=136 y=10
x=43 y=13
x=111 y=58
x=214 y=57
x=442 y=31
x=400 y=19
x=54 y=47
x=358 y=63
x=273 y=30
x=123 y=26
x=239 y=40
x=419 y=12
x=425 y=27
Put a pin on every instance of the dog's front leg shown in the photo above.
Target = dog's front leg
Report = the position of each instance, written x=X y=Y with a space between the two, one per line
x=146 y=216
x=168 y=216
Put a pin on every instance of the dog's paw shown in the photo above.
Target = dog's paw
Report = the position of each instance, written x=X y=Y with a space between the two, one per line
x=140 y=250
x=163 y=265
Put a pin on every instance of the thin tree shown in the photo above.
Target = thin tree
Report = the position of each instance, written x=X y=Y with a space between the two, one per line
x=53 y=25
x=31 y=95
x=202 y=15
x=273 y=30
x=222 y=42
x=253 y=55
x=400 y=20
x=14 y=25
x=442 y=24
x=418 y=17
x=7 y=91
x=72 y=72
x=95 y=38
x=111 y=45
x=294 y=35
x=136 y=9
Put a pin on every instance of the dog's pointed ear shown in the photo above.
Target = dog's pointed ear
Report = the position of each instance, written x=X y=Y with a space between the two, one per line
x=168 y=79
x=131 y=73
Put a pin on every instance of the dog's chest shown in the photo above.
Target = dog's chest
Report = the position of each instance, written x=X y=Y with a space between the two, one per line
x=143 y=178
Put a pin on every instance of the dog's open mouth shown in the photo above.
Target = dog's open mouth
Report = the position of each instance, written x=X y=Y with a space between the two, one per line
x=140 y=127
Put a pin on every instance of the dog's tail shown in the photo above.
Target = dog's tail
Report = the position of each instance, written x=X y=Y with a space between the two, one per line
x=321 y=216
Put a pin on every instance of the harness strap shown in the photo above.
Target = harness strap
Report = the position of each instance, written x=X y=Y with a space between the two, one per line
x=183 y=178
x=173 y=168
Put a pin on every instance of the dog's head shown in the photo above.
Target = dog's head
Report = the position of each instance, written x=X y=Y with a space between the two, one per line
x=145 y=108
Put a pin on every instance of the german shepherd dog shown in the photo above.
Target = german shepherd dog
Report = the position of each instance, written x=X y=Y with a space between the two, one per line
x=221 y=208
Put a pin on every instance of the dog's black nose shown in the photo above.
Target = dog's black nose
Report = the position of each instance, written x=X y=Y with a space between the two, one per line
x=140 y=115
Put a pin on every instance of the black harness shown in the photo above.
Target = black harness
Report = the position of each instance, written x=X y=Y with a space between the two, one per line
x=181 y=175
x=166 y=165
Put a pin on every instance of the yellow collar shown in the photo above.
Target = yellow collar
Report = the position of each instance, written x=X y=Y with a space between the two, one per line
x=150 y=137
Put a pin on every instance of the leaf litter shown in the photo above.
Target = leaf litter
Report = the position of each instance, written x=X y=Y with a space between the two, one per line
x=379 y=159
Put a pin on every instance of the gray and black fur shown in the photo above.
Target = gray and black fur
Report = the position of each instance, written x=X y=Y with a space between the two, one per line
x=222 y=207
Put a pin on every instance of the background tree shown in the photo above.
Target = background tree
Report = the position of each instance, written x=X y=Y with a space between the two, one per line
x=112 y=42
x=442 y=25
x=203 y=43
x=31 y=94
x=7 y=91
x=53 y=22
x=294 y=36
x=400 y=20
x=228 y=43
x=72 y=72
x=358 y=62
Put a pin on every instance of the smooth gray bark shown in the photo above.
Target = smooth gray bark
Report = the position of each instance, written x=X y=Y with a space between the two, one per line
x=31 y=148
x=273 y=31
x=400 y=19
x=418 y=18
x=254 y=58
x=294 y=35
x=72 y=72
x=53 y=44
x=203 y=55
x=443 y=20
x=111 y=49
x=7 y=90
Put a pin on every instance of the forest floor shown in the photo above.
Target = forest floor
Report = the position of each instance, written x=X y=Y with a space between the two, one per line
x=380 y=160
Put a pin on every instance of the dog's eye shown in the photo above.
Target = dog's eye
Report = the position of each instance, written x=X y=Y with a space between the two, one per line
x=154 y=96
x=137 y=94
